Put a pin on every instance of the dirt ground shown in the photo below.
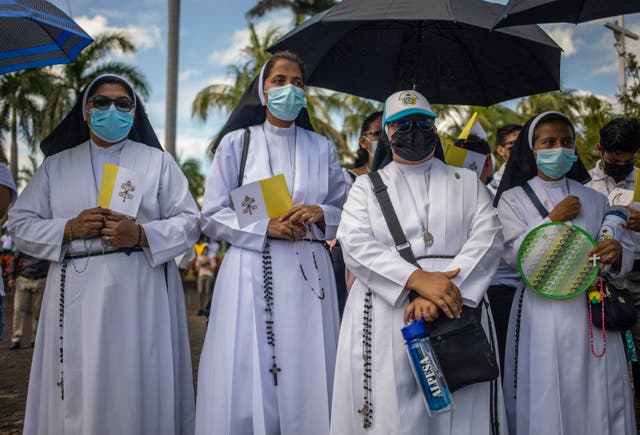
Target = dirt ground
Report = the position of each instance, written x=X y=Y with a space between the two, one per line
x=15 y=364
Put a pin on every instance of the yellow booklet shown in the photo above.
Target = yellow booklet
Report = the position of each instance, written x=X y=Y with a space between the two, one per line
x=268 y=198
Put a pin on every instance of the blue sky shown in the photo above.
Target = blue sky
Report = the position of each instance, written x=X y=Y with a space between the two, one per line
x=213 y=32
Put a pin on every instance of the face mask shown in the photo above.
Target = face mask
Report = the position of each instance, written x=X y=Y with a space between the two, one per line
x=414 y=145
x=111 y=125
x=374 y=146
x=556 y=162
x=617 y=172
x=285 y=102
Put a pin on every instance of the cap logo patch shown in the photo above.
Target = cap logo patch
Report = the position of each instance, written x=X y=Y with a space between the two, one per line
x=408 y=99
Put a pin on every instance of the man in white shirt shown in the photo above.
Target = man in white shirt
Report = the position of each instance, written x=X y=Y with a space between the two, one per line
x=618 y=149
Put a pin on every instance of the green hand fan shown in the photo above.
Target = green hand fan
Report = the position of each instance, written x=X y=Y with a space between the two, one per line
x=553 y=260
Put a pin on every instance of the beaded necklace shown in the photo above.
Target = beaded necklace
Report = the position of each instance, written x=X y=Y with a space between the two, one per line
x=320 y=295
x=367 y=321
x=267 y=282
x=604 y=333
x=267 y=276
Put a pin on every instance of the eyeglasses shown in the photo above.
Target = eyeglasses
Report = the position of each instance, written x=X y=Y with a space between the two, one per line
x=123 y=104
x=376 y=133
x=509 y=144
x=404 y=125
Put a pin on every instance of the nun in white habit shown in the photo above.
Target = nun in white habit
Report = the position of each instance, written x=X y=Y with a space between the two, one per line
x=554 y=384
x=112 y=351
x=269 y=353
x=447 y=216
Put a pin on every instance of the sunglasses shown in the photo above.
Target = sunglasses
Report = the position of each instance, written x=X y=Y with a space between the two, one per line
x=123 y=104
x=376 y=133
x=404 y=125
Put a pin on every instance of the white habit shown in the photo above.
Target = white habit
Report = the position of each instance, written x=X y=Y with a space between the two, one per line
x=127 y=365
x=236 y=391
x=561 y=387
x=465 y=226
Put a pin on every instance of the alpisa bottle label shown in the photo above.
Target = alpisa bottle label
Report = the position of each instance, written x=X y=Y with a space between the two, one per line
x=431 y=376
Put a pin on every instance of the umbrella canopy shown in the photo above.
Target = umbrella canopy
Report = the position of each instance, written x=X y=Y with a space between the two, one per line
x=35 y=33
x=518 y=12
x=372 y=48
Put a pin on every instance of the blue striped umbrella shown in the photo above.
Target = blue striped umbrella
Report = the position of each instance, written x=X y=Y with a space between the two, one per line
x=35 y=33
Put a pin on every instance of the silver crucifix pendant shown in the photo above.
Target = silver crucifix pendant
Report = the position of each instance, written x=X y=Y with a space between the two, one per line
x=428 y=239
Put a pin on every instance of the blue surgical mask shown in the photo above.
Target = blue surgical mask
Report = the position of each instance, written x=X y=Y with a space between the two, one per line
x=111 y=125
x=285 y=102
x=555 y=162
x=374 y=145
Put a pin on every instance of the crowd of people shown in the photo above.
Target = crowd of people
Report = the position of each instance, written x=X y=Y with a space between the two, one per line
x=307 y=307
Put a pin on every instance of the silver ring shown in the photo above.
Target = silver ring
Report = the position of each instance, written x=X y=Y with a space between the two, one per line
x=107 y=239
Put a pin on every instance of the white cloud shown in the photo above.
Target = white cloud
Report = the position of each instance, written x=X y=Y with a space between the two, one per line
x=232 y=54
x=605 y=70
x=187 y=74
x=563 y=35
x=190 y=88
x=144 y=37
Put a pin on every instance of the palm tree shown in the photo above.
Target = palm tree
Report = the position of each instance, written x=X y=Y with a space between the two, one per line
x=191 y=169
x=22 y=97
x=300 y=8
x=226 y=96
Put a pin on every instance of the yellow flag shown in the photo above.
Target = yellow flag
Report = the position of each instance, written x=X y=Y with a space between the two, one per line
x=463 y=158
x=636 y=188
x=275 y=192
x=467 y=129
x=454 y=155
x=121 y=190
x=107 y=184
x=268 y=198
x=199 y=247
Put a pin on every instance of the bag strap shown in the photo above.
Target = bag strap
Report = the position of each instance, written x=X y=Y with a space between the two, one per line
x=534 y=199
x=245 y=152
x=391 y=218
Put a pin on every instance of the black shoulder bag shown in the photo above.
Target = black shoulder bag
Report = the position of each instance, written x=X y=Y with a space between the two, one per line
x=461 y=345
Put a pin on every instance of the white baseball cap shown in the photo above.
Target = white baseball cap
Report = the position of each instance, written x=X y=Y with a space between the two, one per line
x=404 y=103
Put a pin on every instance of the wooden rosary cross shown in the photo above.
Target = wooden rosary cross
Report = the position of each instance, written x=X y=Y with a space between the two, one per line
x=274 y=371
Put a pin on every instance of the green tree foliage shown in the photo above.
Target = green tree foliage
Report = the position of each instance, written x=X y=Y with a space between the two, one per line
x=225 y=97
x=191 y=169
x=588 y=112
x=629 y=98
x=22 y=98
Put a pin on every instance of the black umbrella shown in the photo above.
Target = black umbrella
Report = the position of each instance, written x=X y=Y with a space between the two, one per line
x=518 y=12
x=372 y=48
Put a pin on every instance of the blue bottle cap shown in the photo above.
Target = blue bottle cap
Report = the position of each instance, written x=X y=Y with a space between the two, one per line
x=620 y=213
x=414 y=329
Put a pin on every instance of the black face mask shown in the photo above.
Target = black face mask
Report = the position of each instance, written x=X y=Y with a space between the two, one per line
x=617 y=172
x=414 y=145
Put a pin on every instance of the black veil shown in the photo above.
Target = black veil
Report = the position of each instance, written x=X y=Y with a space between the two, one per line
x=521 y=165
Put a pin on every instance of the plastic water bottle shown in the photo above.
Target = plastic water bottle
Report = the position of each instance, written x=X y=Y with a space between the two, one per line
x=426 y=369
x=614 y=223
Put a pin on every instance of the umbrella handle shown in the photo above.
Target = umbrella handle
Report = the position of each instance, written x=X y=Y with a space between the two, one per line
x=420 y=38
